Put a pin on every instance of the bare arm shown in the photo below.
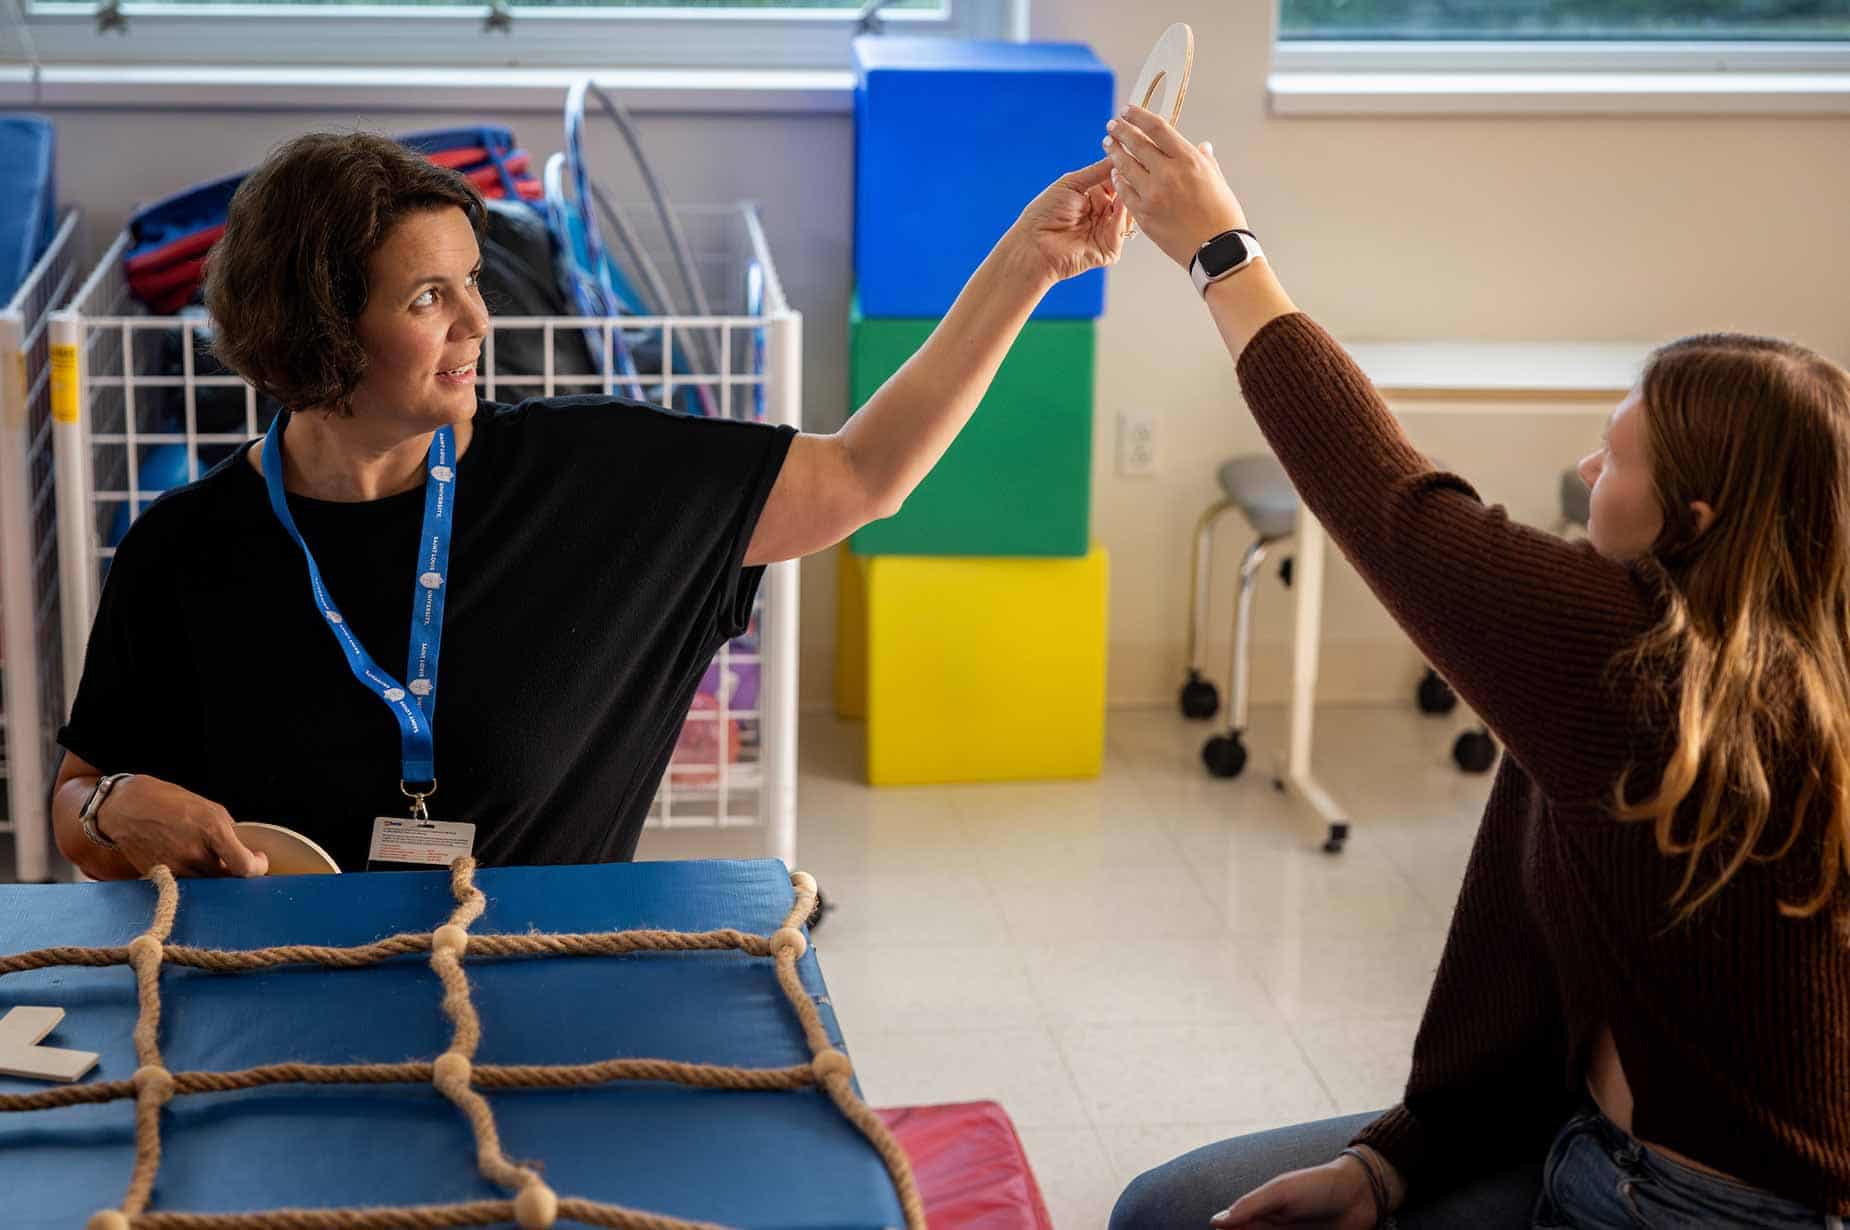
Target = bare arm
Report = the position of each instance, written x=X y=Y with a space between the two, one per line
x=152 y=822
x=831 y=486
x=76 y=779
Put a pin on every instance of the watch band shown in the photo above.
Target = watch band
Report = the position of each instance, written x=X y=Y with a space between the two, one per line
x=1200 y=276
x=94 y=804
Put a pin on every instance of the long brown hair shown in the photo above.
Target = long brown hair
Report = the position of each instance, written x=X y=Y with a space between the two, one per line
x=287 y=281
x=1752 y=655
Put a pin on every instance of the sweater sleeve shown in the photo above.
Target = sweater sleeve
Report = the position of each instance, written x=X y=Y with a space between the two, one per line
x=1521 y=623
x=1487 y=1088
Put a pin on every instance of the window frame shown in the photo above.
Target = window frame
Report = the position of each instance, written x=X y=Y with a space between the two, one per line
x=453 y=36
x=1629 y=56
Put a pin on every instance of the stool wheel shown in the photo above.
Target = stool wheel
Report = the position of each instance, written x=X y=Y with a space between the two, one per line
x=1475 y=751
x=1339 y=836
x=1200 y=699
x=1435 y=694
x=1225 y=755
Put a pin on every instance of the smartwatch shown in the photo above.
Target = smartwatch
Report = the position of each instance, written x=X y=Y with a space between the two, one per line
x=1222 y=257
x=94 y=804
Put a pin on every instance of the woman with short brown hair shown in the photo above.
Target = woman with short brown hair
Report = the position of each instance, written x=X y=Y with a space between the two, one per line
x=287 y=298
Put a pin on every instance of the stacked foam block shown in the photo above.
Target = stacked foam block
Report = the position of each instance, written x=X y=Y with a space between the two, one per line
x=972 y=624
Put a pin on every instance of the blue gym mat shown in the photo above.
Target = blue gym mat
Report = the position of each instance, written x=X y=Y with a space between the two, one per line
x=787 y=1159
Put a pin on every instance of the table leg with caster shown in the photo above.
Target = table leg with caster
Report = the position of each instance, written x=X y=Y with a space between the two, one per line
x=1307 y=638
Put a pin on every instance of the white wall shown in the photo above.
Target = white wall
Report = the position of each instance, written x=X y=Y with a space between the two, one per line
x=1405 y=228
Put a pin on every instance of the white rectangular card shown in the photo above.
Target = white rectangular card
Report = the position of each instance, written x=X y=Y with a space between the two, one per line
x=419 y=843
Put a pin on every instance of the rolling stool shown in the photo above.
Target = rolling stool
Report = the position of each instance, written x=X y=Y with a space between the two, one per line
x=1256 y=485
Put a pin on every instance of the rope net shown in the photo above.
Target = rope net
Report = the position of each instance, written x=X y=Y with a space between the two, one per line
x=530 y=1203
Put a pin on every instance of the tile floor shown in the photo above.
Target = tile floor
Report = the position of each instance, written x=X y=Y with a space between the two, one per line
x=1140 y=964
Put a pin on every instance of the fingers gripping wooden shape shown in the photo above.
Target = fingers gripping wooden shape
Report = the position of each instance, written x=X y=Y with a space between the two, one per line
x=1163 y=83
x=291 y=854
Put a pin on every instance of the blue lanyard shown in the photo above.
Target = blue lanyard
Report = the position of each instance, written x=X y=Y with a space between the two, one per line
x=413 y=704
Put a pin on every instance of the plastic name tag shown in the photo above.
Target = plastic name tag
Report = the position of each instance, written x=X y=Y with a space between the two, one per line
x=404 y=844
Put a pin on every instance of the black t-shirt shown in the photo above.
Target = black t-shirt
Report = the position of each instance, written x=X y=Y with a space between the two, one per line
x=595 y=569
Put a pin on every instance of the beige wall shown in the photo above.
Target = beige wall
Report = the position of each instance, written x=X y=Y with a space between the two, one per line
x=1405 y=228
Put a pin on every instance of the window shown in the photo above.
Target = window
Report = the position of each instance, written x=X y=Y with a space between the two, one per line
x=1565 y=20
x=1600 y=57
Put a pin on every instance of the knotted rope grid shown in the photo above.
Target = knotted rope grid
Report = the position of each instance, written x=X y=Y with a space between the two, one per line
x=533 y=1205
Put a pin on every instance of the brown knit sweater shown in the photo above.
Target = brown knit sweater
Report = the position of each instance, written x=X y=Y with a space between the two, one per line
x=1733 y=1028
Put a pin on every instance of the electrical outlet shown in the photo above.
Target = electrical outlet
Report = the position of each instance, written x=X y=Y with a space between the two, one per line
x=1136 y=443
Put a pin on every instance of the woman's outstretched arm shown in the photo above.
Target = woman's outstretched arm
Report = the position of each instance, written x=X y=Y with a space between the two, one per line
x=1522 y=623
x=831 y=486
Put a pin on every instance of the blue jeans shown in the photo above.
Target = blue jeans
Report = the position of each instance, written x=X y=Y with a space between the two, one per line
x=1598 y=1178
x=1595 y=1178
x=1183 y=1194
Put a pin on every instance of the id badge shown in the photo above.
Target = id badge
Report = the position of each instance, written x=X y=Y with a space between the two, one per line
x=417 y=845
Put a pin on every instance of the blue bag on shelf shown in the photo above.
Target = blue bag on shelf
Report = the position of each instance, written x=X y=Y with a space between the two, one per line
x=169 y=239
x=28 y=185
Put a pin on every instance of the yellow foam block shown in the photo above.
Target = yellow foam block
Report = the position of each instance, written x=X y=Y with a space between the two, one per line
x=983 y=668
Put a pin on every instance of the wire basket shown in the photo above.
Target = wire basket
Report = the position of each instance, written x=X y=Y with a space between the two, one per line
x=31 y=653
x=141 y=406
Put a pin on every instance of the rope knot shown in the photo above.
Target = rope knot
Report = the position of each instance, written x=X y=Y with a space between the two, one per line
x=536 y=1207
x=155 y=1083
x=831 y=1063
x=449 y=938
x=451 y=1072
x=789 y=940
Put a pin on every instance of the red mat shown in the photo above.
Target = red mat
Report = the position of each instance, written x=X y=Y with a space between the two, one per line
x=970 y=1166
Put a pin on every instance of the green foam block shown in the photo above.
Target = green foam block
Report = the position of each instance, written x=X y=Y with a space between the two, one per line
x=1018 y=478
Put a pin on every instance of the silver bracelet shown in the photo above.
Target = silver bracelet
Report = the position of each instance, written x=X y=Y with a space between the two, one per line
x=93 y=807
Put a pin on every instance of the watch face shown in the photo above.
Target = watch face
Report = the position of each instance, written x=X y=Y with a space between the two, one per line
x=1222 y=253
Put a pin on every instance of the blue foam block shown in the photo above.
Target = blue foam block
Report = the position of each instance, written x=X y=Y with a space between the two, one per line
x=951 y=140
x=28 y=197
x=790 y=1159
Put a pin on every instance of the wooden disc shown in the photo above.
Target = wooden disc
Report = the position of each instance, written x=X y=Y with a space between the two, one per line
x=1163 y=83
x=291 y=854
